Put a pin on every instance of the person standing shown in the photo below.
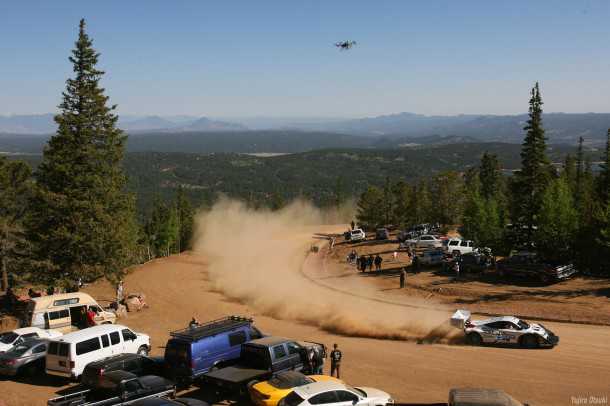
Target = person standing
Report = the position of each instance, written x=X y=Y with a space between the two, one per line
x=353 y=224
x=335 y=361
x=369 y=262
x=403 y=278
x=119 y=292
x=415 y=262
x=90 y=317
x=456 y=268
x=378 y=261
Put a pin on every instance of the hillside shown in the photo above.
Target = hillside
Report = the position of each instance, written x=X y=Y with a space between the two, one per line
x=318 y=175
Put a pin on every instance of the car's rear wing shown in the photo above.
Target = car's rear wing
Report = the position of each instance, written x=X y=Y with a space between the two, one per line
x=460 y=318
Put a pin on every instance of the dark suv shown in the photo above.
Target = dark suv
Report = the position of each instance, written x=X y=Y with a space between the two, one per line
x=139 y=365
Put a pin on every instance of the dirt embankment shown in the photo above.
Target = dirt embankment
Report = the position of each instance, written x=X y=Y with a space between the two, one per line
x=581 y=299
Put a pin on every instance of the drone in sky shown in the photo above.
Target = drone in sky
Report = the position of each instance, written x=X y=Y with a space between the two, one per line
x=345 y=45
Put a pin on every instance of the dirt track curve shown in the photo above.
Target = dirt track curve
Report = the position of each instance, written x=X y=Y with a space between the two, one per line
x=179 y=287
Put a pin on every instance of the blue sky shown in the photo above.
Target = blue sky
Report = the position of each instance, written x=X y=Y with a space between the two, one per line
x=275 y=58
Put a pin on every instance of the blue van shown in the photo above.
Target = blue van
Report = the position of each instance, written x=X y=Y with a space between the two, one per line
x=193 y=351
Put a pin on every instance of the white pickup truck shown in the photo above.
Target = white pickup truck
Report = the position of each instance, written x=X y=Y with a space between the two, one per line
x=459 y=246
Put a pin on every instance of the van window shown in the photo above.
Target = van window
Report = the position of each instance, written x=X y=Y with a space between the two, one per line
x=279 y=351
x=105 y=341
x=64 y=302
x=114 y=338
x=89 y=345
x=64 y=349
x=60 y=314
x=128 y=334
x=237 y=338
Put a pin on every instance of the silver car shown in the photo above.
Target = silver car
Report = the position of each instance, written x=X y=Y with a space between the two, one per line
x=27 y=357
x=505 y=330
x=425 y=241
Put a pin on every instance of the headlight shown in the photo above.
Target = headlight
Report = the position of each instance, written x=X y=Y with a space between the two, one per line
x=390 y=400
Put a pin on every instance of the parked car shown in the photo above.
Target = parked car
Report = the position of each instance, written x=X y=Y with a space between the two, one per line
x=473 y=262
x=193 y=351
x=139 y=365
x=431 y=257
x=480 y=396
x=459 y=246
x=68 y=355
x=170 y=402
x=269 y=393
x=382 y=234
x=355 y=235
x=527 y=264
x=121 y=388
x=12 y=338
x=335 y=393
x=506 y=330
x=425 y=241
x=25 y=358
x=264 y=358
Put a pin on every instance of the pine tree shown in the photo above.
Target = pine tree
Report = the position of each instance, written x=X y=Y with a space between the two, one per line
x=557 y=223
x=82 y=219
x=580 y=173
x=370 y=211
x=15 y=189
x=535 y=172
x=185 y=220
x=388 y=202
x=490 y=176
x=569 y=171
x=402 y=196
x=421 y=203
x=447 y=188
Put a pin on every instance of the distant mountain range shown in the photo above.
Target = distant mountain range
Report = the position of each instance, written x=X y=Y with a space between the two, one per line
x=34 y=124
x=560 y=127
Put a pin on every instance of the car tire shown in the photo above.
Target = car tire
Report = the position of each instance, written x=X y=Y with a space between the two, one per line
x=474 y=339
x=529 y=341
x=455 y=252
x=143 y=350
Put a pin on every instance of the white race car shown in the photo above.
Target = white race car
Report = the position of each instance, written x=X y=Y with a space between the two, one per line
x=507 y=330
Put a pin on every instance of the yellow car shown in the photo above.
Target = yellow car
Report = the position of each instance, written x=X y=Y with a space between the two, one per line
x=269 y=393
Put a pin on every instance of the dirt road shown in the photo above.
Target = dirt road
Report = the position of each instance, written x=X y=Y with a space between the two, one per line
x=180 y=286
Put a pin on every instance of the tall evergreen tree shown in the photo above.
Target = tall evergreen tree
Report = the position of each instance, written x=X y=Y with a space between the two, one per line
x=15 y=189
x=402 y=199
x=388 y=202
x=580 y=174
x=490 y=175
x=82 y=218
x=557 y=223
x=370 y=211
x=185 y=219
x=535 y=172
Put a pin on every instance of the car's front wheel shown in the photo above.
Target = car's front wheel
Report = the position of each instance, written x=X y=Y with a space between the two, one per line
x=474 y=339
x=143 y=350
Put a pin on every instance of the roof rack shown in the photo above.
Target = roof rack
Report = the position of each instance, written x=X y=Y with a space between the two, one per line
x=211 y=328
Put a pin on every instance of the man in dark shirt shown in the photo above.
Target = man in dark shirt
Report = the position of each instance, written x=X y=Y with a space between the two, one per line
x=335 y=361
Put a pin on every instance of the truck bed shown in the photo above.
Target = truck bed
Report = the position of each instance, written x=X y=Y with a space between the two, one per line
x=235 y=376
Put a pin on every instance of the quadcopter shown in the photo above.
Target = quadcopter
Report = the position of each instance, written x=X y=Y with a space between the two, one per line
x=345 y=45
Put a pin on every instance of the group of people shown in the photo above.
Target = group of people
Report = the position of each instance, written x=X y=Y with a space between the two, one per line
x=363 y=262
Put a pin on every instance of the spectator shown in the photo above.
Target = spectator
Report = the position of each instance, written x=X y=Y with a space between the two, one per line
x=353 y=225
x=378 y=261
x=395 y=256
x=335 y=361
x=369 y=262
x=403 y=278
x=193 y=323
x=119 y=292
x=91 y=317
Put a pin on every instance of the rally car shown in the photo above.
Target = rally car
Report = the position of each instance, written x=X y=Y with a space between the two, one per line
x=507 y=330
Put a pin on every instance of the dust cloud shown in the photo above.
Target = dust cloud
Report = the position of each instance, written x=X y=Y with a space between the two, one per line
x=257 y=257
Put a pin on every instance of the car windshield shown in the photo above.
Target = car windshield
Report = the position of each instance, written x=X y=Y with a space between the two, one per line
x=18 y=350
x=292 y=400
x=523 y=325
x=8 y=338
x=356 y=390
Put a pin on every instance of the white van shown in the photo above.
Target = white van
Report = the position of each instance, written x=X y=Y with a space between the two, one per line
x=64 y=312
x=67 y=356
